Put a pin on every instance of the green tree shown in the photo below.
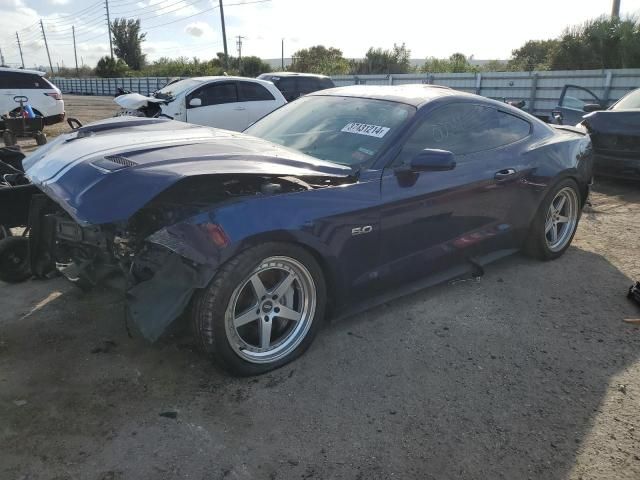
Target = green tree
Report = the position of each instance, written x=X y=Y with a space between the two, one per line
x=127 y=41
x=253 y=66
x=320 y=59
x=533 y=55
x=378 y=60
x=456 y=63
x=110 y=67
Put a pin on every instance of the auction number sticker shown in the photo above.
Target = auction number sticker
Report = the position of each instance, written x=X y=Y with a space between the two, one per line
x=365 y=129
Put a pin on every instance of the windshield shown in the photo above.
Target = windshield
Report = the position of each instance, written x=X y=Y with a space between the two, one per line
x=174 y=89
x=346 y=130
x=630 y=101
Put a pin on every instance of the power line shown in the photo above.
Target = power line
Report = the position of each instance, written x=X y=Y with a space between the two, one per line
x=204 y=11
x=181 y=4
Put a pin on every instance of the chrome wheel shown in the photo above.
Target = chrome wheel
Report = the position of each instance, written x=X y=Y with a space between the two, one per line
x=561 y=220
x=271 y=311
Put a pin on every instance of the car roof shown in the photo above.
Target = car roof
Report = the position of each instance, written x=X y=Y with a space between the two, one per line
x=412 y=94
x=293 y=74
x=228 y=78
x=22 y=70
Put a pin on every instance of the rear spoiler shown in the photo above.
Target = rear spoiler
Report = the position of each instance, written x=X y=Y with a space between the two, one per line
x=569 y=128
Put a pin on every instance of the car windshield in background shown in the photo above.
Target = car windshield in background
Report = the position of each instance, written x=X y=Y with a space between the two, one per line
x=628 y=102
x=346 y=130
x=175 y=89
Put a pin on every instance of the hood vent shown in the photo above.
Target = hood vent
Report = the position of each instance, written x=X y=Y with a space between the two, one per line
x=114 y=162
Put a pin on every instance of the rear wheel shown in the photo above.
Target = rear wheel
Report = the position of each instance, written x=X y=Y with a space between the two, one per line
x=262 y=309
x=14 y=259
x=556 y=222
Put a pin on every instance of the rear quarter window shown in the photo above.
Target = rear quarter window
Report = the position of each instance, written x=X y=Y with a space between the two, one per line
x=253 y=92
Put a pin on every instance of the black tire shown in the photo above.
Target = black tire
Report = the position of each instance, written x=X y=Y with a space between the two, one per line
x=536 y=245
x=41 y=138
x=14 y=259
x=209 y=307
x=8 y=138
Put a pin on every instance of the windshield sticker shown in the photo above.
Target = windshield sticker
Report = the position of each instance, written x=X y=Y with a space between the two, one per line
x=365 y=129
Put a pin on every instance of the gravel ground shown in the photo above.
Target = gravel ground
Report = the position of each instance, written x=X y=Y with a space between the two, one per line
x=528 y=372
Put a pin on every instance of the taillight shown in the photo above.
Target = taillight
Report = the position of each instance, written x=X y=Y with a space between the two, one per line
x=54 y=95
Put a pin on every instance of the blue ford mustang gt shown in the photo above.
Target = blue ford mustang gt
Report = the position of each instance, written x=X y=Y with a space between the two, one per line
x=335 y=202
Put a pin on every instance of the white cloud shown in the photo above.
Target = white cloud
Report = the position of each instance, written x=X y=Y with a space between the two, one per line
x=199 y=30
x=59 y=2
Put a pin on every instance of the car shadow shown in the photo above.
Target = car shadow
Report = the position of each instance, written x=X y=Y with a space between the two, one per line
x=506 y=377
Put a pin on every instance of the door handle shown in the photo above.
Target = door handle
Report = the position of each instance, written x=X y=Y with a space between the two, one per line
x=505 y=174
x=239 y=109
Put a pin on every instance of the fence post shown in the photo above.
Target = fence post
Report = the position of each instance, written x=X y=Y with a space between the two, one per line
x=607 y=87
x=390 y=79
x=478 y=83
x=534 y=91
x=148 y=88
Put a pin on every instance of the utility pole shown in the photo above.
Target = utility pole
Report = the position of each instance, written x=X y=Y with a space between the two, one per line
x=282 y=55
x=75 y=52
x=224 y=35
x=20 y=48
x=46 y=45
x=239 y=45
x=106 y=3
x=615 y=9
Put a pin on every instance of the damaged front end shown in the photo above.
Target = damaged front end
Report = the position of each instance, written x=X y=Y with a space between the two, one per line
x=165 y=251
x=141 y=197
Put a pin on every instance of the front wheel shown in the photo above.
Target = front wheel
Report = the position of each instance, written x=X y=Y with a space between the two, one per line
x=262 y=309
x=556 y=222
x=14 y=259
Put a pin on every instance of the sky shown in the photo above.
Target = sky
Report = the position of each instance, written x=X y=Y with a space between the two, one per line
x=487 y=29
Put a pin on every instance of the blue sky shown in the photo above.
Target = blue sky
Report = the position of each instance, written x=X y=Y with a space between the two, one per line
x=486 y=29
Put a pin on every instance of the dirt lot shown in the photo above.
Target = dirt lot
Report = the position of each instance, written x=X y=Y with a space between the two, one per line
x=529 y=372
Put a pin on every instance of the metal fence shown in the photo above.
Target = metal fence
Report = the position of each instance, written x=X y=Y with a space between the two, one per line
x=541 y=90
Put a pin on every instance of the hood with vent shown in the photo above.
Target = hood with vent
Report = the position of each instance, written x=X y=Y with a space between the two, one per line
x=107 y=171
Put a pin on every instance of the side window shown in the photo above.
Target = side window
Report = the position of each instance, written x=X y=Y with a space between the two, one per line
x=576 y=98
x=14 y=80
x=308 y=85
x=253 y=92
x=287 y=85
x=463 y=129
x=326 y=83
x=215 y=94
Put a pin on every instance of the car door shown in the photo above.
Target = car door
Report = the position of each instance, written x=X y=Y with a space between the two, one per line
x=216 y=105
x=256 y=99
x=431 y=221
x=572 y=102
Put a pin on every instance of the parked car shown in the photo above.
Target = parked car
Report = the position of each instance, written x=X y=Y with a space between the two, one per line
x=615 y=134
x=232 y=103
x=336 y=202
x=294 y=85
x=44 y=97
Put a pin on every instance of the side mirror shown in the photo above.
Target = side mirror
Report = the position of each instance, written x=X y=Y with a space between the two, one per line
x=592 y=107
x=432 y=160
x=557 y=117
x=195 y=102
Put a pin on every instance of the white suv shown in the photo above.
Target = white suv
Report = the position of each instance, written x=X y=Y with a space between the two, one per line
x=44 y=97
